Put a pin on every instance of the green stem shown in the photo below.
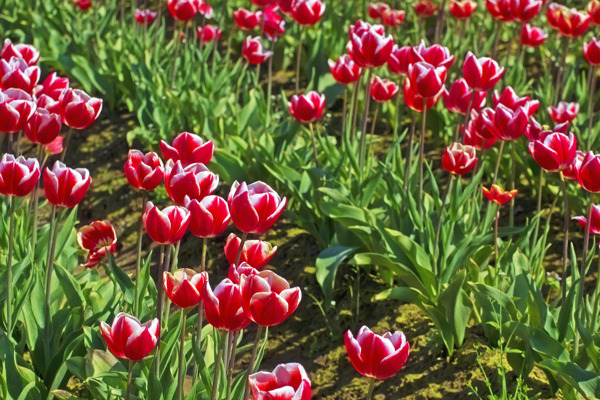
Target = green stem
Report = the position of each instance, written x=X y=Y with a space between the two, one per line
x=355 y=97
x=498 y=162
x=252 y=360
x=11 y=200
x=565 y=227
x=592 y=91
x=363 y=134
x=231 y=364
x=224 y=340
x=511 y=220
x=269 y=89
x=159 y=306
x=174 y=66
x=238 y=256
x=372 y=382
x=51 y=249
x=180 y=372
x=345 y=111
x=66 y=144
x=496 y=237
x=582 y=269
x=369 y=156
x=129 y=376
x=138 y=303
x=539 y=207
x=314 y=144
x=200 y=306
x=409 y=152
x=299 y=56
x=421 y=161
x=439 y=225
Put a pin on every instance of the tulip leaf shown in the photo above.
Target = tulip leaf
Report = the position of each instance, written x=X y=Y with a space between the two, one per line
x=327 y=265
x=123 y=280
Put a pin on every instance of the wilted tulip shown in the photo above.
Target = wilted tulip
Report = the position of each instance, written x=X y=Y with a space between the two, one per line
x=307 y=12
x=481 y=74
x=425 y=8
x=184 y=286
x=254 y=52
x=459 y=159
x=128 y=338
x=209 y=216
x=79 y=110
x=370 y=47
x=246 y=20
x=188 y=148
x=99 y=239
x=588 y=173
x=16 y=108
x=223 y=307
x=459 y=96
x=194 y=181
x=436 y=55
x=65 y=187
x=183 y=10
x=43 y=127
x=254 y=208
x=18 y=176
x=462 y=9
x=144 y=171
x=255 y=252
x=17 y=74
x=286 y=382
x=426 y=80
x=383 y=90
x=394 y=18
x=498 y=195
x=307 y=108
x=25 y=51
x=532 y=36
x=564 y=112
x=591 y=50
x=554 y=151
x=167 y=226
x=144 y=17
x=595 y=224
x=399 y=60
x=344 y=70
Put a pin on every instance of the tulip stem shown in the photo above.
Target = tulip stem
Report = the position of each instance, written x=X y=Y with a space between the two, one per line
x=54 y=233
x=269 y=89
x=238 y=256
x=355 y=97
x=66 y=144
x=11 y=200
x=372 y=382
x=582 y=270
x=439 y=21
x=559 y=74
x=539 y=206
x=372 y=134
x=397 y=115
x=224 y=340
x=592 y=91
x=201 y=304
x=180 y=372
x=363 y=134
x=138 y=267
x=259 y=332
x=439 y=224
x=563 y=185
x=466 y=120
x=177 y=40
x=496 y=238
x=421 y=160
x=166 y=268
x=314 y=144
x=344 y=111
x=496 y=39
x=298 y=57
x=409 y=152
x=511 y=220
x=498 y=162
x=231 y=363
x=129 y=376
x=596 y=301
x=159 y=306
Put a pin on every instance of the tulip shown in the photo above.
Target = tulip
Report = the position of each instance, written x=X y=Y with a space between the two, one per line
x=208 y=33
x=360 y=27
x=128 y=338
x=377 y=10
x=253 y=51
x=525 y=10
x=65 y=187
x=501 y=10
x=564 y=112
x=256 y=253
x=144 y=171
x=54 y=147
x=17 y=74
x=25 y=51
x=510 y=99
x=510 y=124
x=43 y=127
x=79 y=110
x=18 y=176
x=399 y=60
x=370 y=47
x=84 y=4
x=195 y=181
x=247 y=20
x=264 y=3
x=167 y=226
x=383 y=90
x=208 y=217
x=426 y=80
x=254 y=208
x=425 y=8
x=308 y=12
x=307 y=108
x=568 y=21
x=183 y=10
x=286 y=6
x=459 y=159
x=498 y=195
x=16 y=108
x=52 y=87
x=481 y=74
x=485 y=125
x=591 y=50
x=572 y=171
x=595 y=220
x=394 y=17
x=184 y=286
x=377 y=356
x=286 y=382
x=144 y=17
x=205 y=9
x=223 y=307
x=415 y=101
x=99 y=239
x=436 y=55
x=188 y=148
x=532 y=36
x=272 y=24
x=462 y=9
x=459 y=96
x=235 y=273
x=268 y=299
x=554 y=151
x=594 y=11
x=473 y=138
x=589 y=172
x=344 y=70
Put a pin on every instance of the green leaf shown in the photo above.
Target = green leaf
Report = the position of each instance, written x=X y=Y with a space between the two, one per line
x=327 y=265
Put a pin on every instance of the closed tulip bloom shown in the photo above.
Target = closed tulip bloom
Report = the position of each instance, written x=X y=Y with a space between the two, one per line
x=370 y=47
x=426 y=80
x=510 y=124
x=485 y=123
x=481 y=74
x=532 y=36
x=286 y=382
x=498 y=195
x=462 y=9
x=144 y=171
x=572 y=171
x=130 y=339
x=459 y=159
x=167 y=226
x=43 y=127
x=564 y=112
x=394 y=18
x=254 y=52
x=286 y=6
x=84 y=4
x=425 y=8
x=254 y=208
x=568 y=21
x=223 y=307
x=25 y=51
x=65 y=187
x=377 y=356
x=53 y=86
x=79 y=110
x=471 y=137
x=17 y=74
x=513 y=101
x=344 y=70
x=144 y=17
x=534 y=130
x=205 y=9
x=591 y=50
x=436 y=55
x=54 y=147
x=18 y=176
x=183 y=10
x=589 y=172
x=100 y=239
x=554 y=151
x=307 y=108
x=376 y=10
x=525 y=10
x=268 y=299
x=415 y=101
x=272 y=23
x=459 y=96
x=49 y=104
x=307 y=12
x=399 y=60
x=188 y=148
x=184 y=286
x=195 y=181
x=594 y=11
x=383 y=90
x=264 y=3
x=501 y=10
x=208 y=33
x=595 y=220
x=235 y=273
x=16 y=108
x=360 y=27
x=246 y=20
x=209 y=216
x=255 y=253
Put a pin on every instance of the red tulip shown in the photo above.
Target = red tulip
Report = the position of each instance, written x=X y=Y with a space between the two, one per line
x=25 y=51
x=564 y=112
x=360 y=27
x=459 y=96
x=481 y=74
x=235 y=273
x=167 y=226
x=595 y=220
x=394 y=17
x=286 y=382
x=588 y=173
x=183 y=10
x=594 y=11
x=534 y=130
x=144 y=17
x=377 y=356
x=370 y=47
x=79 y=110
x=459 y=159
x=253 y=51
x=99 y=239
x=128 y=338
x=307 y=108
x=272 y=24
x=17 y=74
x=484 y=123
x=308 y=12
x=268 y=299
x=399 y=60
x=554 y=151
x=54 y=147
x=500 y=9
x=184 y=286
x=43 y=127
x=512 y=100
x=188 y=148
x=344 y=70
x=425 y=8
x=415 y=101
x=52 y=87
x=462 y=9
x=264 y=3
x=223 y=307
x=509 y=124
x=472 y=137
x=205 y=9
x=572 y=171
x=194 y=181
x=591 y=50
x=568 y=21
x=18 y=176
x=383 y=90
x=209 y=216
x=498 y=195
x=247 y=20
x=84 y=4
x=144 y=171
x=65 y=187
x=436 y=55
x=532 y=36
x=376 y=10
x=254 y=208
x=255 y=252
x=208 y=33
x=16 y=108
x=525 y=10
x=286 y=6
x=427 y=80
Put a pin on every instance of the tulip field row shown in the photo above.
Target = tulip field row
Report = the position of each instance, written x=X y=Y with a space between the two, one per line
x=429 y=158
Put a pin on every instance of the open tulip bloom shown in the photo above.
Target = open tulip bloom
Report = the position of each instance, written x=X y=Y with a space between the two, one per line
x=99 y=239
x=184 y=287
x=130 y=339
x=194 y=182
x=254 y=208
x=255 y=252
x=286 y=382
x=188 y=148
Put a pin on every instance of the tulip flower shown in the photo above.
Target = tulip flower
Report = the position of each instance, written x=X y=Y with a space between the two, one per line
x=436 y=55
x=167 y=226
x=223 y=307
x=500 y=10
x=509 y=124
x=16 y=108
x=572 y=171
x=307 y=108
x=144 y=17
x=376 y=10
x=498 y=195
x=554 y=151
x=254 y=208
x=25 y=51
x=459 y=159
x=208 y=33
x=564 y=112
x=246 y=20
x=99 y=239
x=594 y=11
x=18 y=176
x=235 y=273
x=415 y=101
x=264 y=3
x=383 y=90
x=272 y=24
x=208 y=217
x=377 y=356
x=54 y=147
x=459 y=96
x=49 y=104
x=525 y=10
x=84 y=5
x=307 y=12
x=43 y=127
x=188 y=148
x=370 y=47
x=184 y=286
x=462 y=9
x=595 y=220
x=425 y=8
x=65 y=187
x=484 y=123
x=360 y=27
x=591 y=50
x=286 y=382
x=426 y=80
x=79 y=110
x=268 y=299
x=532 y=36
x=394 y=18
x=16 y=73
x=205 y=9
x=344 y=70
x=481 y=74
x=473 y=138
x=253 y=51
x=255 y=252
x=286 y=6
x=183 y=10
x=568 y=21
x=128 y=338
x=399 y=60
x=144 y=171
x=510 y=99
x=53 y=86
x=589 y=172
x=195 y=181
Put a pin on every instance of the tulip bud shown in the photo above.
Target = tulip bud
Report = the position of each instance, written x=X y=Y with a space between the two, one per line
x=167 y=226
x=344 y=70
x=399 y=60
x=370 y=47
x=532 y=36
x=286 y=382
x=184 y=286
x=498 y=195
x=510 y=99
x=426 y=80
x=473 y=138
x=500 y=10
x=425 y=8
x=254 y=208
x=183 y=10
x=43 y=127
x=99 y=239
x=16 y=108
x=255 y=252
x=564 y=112
x=17 y=74
x=595 y=220
x=554 y=151
x=144 y=17
x=223 y=307
x=253 y=51
x=481 y=74
x=65 y=187
x=18 y=176
x=208 y=217
x=194 y=181
x=79 y=110
x=415 y=101
x=459 y=96
x=144 y=171
x=394 y=18
x=307 y=12
x=25 y=51
x=591 y=50
x=594 y=11
x=272 y=23
x=84 y=4
x=589 y=172
x=376 y=10
x=459 y=159
x=307 y=108
x=208 y=33
x=462 y=9
x=510 y=124
x=188 y=148
x=128 y=338
x=383 y=90
x=246 y=20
